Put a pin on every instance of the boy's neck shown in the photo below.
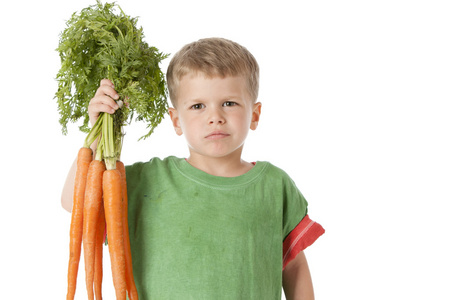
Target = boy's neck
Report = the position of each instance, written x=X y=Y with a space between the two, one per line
x=220 y=166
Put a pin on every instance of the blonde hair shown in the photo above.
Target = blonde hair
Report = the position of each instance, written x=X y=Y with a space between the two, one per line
x=213 y=57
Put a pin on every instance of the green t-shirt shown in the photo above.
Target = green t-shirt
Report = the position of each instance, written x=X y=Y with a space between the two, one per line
x=198 y=236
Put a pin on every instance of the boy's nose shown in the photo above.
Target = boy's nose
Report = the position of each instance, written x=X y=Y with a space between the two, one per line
x=216 y=118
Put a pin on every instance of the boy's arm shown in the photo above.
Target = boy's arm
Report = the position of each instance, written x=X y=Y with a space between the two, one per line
x=102 y=102
x=297 y=283
x=67 y=192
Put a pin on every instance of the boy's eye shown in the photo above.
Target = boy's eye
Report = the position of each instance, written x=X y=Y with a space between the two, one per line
x=229 y=103
x=197 y=106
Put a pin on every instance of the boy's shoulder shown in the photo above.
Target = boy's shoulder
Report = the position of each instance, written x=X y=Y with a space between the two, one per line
x=154 y=161
x=156 y=170
x=273 y=170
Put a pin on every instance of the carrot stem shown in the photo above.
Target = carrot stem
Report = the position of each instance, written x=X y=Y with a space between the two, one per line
x=95 y=132
x=109 y=154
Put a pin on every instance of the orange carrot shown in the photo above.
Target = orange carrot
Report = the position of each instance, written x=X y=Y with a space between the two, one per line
x=92 y=204
x=98 y=273
x=112 y=195
x=76 y=225
x=131 y=286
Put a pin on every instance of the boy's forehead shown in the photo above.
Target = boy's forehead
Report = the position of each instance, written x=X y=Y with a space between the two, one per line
x=198 y=73
x=195 y=87
x=209 y=76
x=191 y=81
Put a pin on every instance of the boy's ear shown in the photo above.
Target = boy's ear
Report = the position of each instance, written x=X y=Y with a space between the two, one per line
x=255 y=115
x=175 y=120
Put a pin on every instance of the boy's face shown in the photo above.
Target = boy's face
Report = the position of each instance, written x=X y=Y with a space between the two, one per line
x=215 y=115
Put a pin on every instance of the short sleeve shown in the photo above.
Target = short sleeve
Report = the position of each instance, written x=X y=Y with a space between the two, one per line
x=303 y=235
x=299 y=230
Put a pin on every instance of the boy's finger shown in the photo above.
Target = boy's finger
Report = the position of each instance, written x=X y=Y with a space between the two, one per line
x=108 y=91
x=103 y=100
x=101 y=107
x=96 y=109
x=107 y=82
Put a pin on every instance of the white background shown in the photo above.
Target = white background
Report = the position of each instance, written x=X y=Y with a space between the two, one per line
x=355 y=108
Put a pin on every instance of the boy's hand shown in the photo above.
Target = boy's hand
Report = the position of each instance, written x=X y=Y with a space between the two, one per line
x=103 y=101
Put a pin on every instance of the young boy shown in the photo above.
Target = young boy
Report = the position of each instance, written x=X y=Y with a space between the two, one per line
x=213 y=226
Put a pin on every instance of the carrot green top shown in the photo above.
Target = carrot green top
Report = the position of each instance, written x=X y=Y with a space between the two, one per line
x=99 y=43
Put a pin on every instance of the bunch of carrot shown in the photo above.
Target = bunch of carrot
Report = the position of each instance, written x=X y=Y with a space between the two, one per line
x=99 y=42
x=100 y=195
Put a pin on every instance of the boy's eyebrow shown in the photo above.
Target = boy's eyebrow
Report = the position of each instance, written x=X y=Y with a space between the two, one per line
x=230 y=97
x=193 y=100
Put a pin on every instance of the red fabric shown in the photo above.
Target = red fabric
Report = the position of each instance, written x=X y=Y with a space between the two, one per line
x=303 y=235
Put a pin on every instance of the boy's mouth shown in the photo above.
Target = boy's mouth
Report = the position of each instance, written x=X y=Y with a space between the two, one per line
x=217 y=135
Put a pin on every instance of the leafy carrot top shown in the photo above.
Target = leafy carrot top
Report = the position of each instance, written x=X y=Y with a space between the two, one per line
x=99 y=44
